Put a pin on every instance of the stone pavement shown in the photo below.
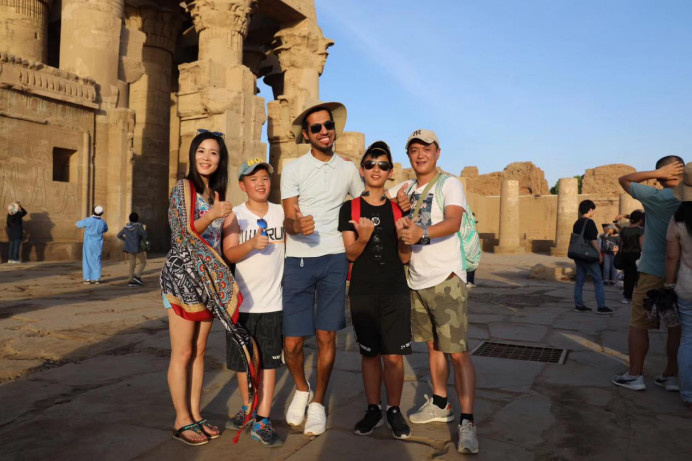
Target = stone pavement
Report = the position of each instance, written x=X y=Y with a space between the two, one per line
x=83 y=372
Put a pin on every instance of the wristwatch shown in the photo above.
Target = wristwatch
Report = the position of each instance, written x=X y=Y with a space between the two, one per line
x=425 y=239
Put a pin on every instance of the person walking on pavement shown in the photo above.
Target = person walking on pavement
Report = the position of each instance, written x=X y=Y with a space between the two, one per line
x=135 y=237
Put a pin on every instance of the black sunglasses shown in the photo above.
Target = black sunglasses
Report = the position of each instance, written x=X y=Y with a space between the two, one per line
x=317 y=127
x=215 y=133
x=382 y=165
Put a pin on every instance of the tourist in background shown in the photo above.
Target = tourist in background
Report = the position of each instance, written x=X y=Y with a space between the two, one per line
x=607 y=242
x=630 y=245
x=94 y=227
x=15 y=231
x=659 y=207
x=136 y=245
x=587 y=226
x=679 y=277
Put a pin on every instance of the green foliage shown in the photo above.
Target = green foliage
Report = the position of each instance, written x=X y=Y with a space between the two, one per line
x=556 y=188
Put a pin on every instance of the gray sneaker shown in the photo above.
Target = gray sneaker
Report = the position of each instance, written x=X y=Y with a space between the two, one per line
x=468 y=441
x=430 y=412
x=633 y=383
x=669 y=383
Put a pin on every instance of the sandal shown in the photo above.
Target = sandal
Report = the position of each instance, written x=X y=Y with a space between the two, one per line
x=178 y=434
x=203 y=423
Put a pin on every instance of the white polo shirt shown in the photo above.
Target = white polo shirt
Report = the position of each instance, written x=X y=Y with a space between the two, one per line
x=321 y=188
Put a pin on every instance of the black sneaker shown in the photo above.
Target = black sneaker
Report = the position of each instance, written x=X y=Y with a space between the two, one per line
x=582 y=309
x=397 y=423
x=137 y=280
x=371 y=420
x=604 y=310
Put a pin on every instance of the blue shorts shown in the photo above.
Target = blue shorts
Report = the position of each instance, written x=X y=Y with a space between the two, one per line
x=308 y=281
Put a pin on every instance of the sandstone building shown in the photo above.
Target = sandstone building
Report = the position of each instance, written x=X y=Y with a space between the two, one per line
x=99 y=100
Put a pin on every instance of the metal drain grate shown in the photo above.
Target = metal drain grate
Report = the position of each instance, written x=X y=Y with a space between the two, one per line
x=521 y=352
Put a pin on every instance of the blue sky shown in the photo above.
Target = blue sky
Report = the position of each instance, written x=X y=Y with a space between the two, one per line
x=568 y=85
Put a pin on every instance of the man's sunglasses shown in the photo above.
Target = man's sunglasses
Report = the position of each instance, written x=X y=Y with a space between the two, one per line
x=218 y=134
x=317 y=127
x=382 y=165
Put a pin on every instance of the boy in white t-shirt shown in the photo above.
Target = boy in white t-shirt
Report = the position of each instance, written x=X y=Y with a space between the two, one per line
x=438 y=283
x=254 y=241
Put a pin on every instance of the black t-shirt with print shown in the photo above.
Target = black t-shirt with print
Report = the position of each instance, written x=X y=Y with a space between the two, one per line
x=591 y=231
x=378 y=268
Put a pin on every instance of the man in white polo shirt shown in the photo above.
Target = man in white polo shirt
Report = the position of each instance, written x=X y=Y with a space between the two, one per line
x=313 y=188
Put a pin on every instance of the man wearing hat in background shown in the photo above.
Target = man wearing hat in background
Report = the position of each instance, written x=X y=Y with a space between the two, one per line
x=94 y=228
x=659 y=207
x=313 y=187
x=437 y=280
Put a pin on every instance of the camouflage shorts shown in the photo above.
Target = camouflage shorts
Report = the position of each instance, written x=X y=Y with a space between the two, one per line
x=439 y=314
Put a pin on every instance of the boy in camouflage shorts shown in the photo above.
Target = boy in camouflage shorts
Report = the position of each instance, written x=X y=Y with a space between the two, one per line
x=438 y=284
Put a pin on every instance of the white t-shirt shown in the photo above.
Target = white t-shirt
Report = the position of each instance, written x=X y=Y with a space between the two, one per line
x=321 y=188
x=431 y=264
x=259 y=275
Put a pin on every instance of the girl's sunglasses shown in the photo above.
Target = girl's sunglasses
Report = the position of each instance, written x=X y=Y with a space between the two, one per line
x=218 y=134
x=382 y=165
x=317 y=127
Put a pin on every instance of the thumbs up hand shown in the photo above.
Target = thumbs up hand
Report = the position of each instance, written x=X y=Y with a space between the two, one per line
x=364 y=228
x=220 y=209
x=408 y=232
x=403 y=200
x=303 y=224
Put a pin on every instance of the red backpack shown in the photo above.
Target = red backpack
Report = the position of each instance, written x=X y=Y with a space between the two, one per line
x=355 y=216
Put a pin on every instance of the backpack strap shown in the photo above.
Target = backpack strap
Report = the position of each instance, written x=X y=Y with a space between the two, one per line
x=355 y=209
x=396 y=211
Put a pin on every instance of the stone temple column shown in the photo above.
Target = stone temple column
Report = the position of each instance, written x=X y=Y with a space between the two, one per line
x=301 y=49
x=629 y=204
x=23 y=28
x=509 y=218
x=90 y=41
x=567 y=214
x=90 y=46
x=217 y=92
x=150 y=98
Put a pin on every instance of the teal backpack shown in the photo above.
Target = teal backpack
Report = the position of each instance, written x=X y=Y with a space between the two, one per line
x=469 y=242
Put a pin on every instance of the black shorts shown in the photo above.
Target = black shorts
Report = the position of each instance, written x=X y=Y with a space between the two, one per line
x=266 y=330
x=382 y=323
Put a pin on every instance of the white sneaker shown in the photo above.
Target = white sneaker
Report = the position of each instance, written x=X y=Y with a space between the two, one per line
x=316 y=423
x=468 y=441
x=470 y=285
x=429 y=412
x=625 y=301
x=669 y=383
x=296 y=410
x=626 y=380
